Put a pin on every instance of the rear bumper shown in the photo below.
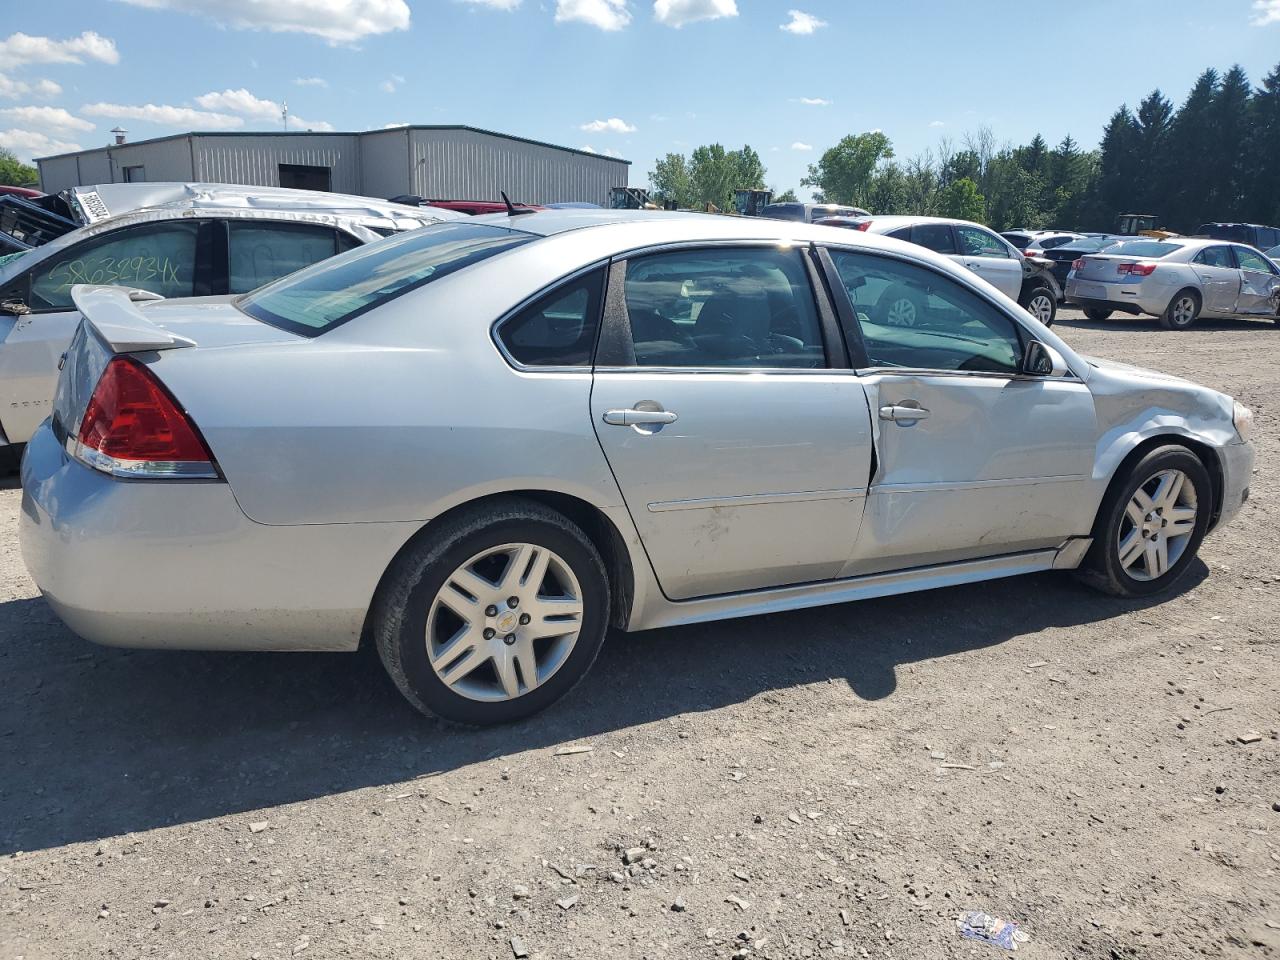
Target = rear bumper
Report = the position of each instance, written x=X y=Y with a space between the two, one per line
x=177 y=563
x=1130 y=297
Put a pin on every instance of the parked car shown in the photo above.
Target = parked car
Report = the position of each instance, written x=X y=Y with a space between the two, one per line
x=213 y=242
x=1250 y=234
x=810 y=212
x=1028 y=242
x=981 y=250
x=845 y=223
x=27 y=192
x=1061 y=258
x=1178 y=280
x=1274 y=254
x=521 y=456
x=472 y=208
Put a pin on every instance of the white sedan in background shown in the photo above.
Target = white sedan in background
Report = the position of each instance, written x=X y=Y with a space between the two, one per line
x=202 y=240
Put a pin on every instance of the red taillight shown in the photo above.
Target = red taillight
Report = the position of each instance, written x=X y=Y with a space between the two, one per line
x=133 y=427
x=1077 y=264
x=863 y=226
x=1136 y=269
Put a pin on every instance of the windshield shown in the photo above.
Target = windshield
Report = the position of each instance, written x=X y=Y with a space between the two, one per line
x=1091 y=245
x=1147 y=249
x=1274 y=253
x=320 y=297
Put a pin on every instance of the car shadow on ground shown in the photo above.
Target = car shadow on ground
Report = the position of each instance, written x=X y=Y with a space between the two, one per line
x=98 y=742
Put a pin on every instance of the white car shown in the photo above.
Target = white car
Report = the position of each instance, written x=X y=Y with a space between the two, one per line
x=978 y=249
x=198 y=240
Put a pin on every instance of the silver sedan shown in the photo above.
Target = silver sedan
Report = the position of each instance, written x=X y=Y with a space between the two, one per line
x=1178 y=280
x=482 y=443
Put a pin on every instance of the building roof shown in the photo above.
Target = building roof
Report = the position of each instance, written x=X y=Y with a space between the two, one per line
x=332 y=133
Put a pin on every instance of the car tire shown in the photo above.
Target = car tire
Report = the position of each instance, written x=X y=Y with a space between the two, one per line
x=1182 y=312
x=900 y=306
x=1120 y=562
x=1043 y=305
x=493 y=674
x=1097 y=314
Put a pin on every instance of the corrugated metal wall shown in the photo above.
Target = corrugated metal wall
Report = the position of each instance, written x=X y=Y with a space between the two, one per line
x=58 y=173
x=163 y=160
x=257 y=159
x=453 y=164
x=384 y=161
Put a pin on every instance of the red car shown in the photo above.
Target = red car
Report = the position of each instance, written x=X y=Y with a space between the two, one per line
x=20 y=192
x=472 y=207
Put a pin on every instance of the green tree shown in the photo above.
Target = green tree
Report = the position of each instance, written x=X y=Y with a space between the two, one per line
x=786 y=196
x=710 y=174
x=1262 y=188
x=1118 y=168
x=671 y=182
x=844 y=173
x=961 y=200
x=1229 y=123
x=1155 y=120
x=1189 y=134
x=14 y=173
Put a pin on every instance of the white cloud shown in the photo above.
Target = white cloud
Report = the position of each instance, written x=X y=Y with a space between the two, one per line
x=798 y=145
x=1265 y=12
x=802 y=24
x=587 y=148
x=20 y=48
x=676 y=13
x=605 y=14
x=312 y=82
x=338 y=21
x=393 y=126
x=53 y=119
x=937 y=123
x=390 y=85
x=29 y=144
x=495 y=4
x=814 y=102
x=612 y=125
x=255 y=108
x=11 y=89
x=610 y=152
x=165 y=115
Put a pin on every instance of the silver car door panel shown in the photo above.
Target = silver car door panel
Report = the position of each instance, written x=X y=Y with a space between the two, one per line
x=30 y=347
x=759 y=482
x=1259 y=294
x=1000 y=464
x=1219 y=287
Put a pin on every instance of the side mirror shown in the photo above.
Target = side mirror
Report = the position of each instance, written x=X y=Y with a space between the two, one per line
x=1041 y=360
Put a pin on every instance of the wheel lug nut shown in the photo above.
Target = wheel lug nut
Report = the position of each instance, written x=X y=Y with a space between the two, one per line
x=489 y=632
x=524 y=618
x=513 y=602
x=509 y=639
x=491 y=611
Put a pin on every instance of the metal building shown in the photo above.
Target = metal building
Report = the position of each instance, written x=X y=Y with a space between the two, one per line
x=439 y=162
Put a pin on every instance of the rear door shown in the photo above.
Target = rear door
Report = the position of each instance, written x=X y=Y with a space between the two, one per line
x=1259 y=284
x=991 y=258
x=171 y=257
x=723 y=401
x=1215 y=268
x=974 y=458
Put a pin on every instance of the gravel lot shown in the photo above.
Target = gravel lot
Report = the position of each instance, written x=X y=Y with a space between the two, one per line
x=834 y=782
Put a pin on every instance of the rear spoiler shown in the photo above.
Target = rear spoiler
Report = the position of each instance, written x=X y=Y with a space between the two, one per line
x=114 y=315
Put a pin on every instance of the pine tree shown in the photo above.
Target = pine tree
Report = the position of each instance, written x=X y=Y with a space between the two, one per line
x=1155 y=117
x=1229 y=129
x=1191 y=164
x=1262 y=153
x=1118 y=169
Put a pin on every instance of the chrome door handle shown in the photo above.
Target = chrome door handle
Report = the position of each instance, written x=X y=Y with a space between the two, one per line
x=903 y=414
x=631 y=417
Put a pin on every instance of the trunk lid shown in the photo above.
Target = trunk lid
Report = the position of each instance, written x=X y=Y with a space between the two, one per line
x=1100 y=266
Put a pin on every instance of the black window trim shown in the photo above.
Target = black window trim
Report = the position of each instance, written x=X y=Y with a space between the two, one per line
x=223 y=250
x=495 y=328
x=852 y=330
x=615 y=352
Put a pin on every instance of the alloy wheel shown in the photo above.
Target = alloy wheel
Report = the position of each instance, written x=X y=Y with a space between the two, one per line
x=902 y=313
x=1041 y=307
x=1157 y=525
x=504 y=622
x=1184 y=311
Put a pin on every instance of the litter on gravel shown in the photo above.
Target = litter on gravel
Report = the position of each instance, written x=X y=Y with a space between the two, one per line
x=983 y=927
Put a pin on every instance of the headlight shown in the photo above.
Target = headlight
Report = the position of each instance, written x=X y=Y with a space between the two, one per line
x=1242 y=417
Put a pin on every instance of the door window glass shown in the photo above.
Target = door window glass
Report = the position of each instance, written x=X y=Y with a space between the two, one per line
x=980 y=243
x=1216 y=257
x=935 y=236
x=723 y=308
x=560 y=329
x=912 y=316
x=262 y=252
x=160 y=257
x=1249 y=260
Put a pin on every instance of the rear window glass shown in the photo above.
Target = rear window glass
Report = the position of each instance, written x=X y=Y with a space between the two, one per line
x=1019 y=240
x=1235 y=232
x=334 y=291
x=784 y=211
x=1147 y=249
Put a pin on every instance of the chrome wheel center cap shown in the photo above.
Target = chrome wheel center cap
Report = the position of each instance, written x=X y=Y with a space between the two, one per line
x=506 y=621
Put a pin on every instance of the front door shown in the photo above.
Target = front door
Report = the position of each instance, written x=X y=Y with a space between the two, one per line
x=974 y=458
x=1219 y=277
x=741 y=448
x=1259 y=285
x=991 y=258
